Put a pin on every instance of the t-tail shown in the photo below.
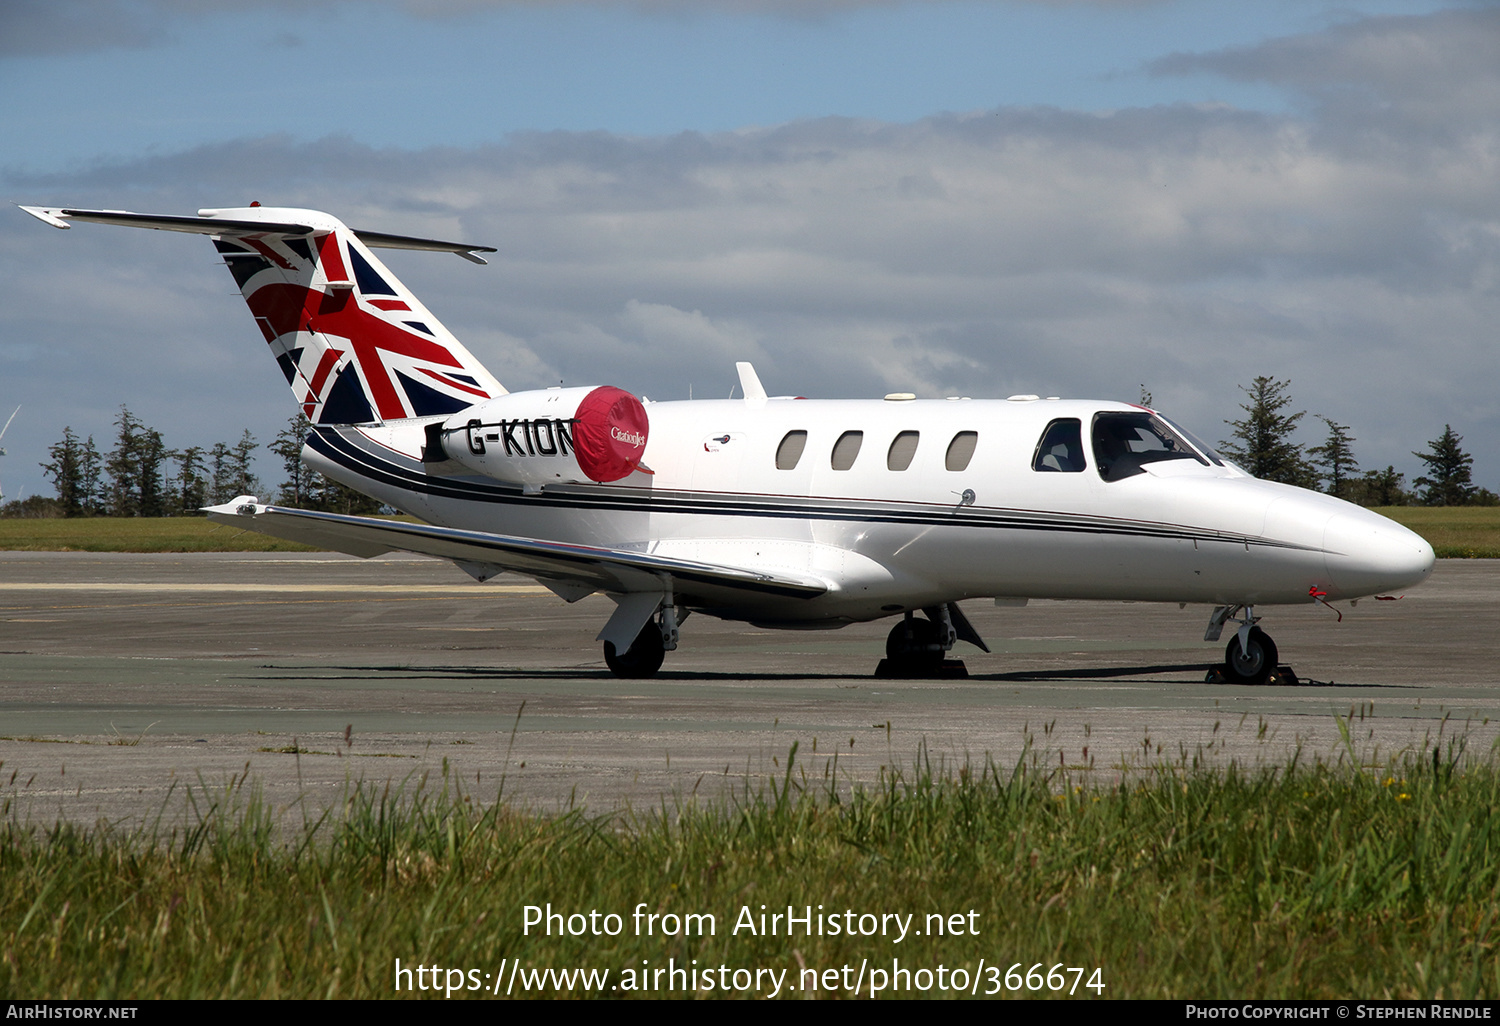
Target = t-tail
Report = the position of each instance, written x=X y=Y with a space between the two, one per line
x=353 y=342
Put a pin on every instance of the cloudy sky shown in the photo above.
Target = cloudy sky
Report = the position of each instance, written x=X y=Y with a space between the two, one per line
x=1054 y=196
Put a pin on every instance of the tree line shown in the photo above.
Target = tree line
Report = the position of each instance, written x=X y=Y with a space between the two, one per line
x=1262 y=443
x=140 y=476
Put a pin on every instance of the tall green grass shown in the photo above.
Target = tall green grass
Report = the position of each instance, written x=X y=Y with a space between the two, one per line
x=1321 y=880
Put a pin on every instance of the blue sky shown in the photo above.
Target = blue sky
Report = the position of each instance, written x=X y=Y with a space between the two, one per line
x=1054 y=197
x=382 y=76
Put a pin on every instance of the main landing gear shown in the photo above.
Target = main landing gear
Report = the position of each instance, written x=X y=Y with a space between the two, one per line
x=1251 y=656
x=650 y=647
x=919 y=648
x=916 y=648
x=642 y=659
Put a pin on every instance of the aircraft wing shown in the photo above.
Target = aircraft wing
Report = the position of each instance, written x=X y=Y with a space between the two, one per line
x=58 y=217
x=572 y=571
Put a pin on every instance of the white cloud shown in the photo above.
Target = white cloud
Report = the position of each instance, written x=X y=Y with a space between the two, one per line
x=1433 y=74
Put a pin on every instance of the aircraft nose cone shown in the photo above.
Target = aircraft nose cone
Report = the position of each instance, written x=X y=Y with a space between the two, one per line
x=1368 y=554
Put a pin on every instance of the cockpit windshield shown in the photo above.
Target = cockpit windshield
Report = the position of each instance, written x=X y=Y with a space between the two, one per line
x=1125 y=442
x=1195 y=441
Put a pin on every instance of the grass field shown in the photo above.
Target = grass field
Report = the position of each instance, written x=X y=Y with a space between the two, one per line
x=135 y=534
x=1322 y=881
x=1458 y=532
x=1462 y=532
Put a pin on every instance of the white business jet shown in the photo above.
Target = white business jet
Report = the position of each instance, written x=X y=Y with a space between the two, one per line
x=783 y=512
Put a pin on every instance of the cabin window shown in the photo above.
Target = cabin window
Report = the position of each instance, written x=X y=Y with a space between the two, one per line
x=1125 y=442
x=789 y=452
x=1060 y=448
x=846 y=449
x=961 y=450
x=903 y=448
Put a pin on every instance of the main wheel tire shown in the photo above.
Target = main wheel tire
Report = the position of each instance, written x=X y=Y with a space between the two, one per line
x=1253 y=666
x=915 y=644
x=642 y=659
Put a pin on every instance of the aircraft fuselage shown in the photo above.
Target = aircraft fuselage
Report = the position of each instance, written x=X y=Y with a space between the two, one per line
x=898 y=530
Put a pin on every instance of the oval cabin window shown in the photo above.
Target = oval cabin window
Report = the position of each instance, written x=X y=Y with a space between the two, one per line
x=846 y=449
x=903 y=448
x=789 y=452
x=961 y=450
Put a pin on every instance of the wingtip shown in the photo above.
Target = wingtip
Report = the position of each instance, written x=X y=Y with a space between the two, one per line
x=47 y=215
x=242 y=506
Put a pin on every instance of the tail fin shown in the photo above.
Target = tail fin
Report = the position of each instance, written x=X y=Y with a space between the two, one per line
x=354 y=343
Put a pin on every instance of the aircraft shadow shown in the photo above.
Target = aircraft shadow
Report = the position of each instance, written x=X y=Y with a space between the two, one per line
x=478 y=673
x=1102 y=672
x=325 y=672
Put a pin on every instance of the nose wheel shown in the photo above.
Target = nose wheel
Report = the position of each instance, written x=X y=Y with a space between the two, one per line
x=1251 y=656
x=1252 y=662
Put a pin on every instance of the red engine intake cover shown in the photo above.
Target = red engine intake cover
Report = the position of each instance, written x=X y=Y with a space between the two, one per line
x=609 y=434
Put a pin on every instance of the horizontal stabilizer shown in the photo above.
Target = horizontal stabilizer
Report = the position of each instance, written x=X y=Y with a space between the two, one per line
x=58 y=217
x=610 y=570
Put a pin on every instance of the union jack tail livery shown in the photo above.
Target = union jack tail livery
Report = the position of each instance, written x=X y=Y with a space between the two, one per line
x=355 y=345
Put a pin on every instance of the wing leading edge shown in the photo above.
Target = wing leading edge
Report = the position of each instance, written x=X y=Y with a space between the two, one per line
x=572 y=571
x=58 y=217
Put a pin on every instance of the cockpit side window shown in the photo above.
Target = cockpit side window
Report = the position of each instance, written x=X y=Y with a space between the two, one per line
x=1060 y=448
x=1125 y=442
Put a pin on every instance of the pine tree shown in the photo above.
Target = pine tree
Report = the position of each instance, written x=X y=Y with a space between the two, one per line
x=1380 y=488
x=1336 y=457
x=244 y=482
x=229 y=469
x=307 y=489
x=91 y=474
x=135 y=466
x=1262 y=442
x=221 y=485
x=1451 y=483
x=123 y=467
x=152 y=455
x=338 y=498
x=192 y=484
x=66 y=474
x=296 y=490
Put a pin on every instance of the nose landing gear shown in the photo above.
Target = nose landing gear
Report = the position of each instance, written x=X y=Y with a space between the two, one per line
x=1251 y=661
x=1251 y=656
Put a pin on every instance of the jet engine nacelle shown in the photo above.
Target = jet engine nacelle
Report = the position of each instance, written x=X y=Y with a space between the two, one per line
x=550 y=436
